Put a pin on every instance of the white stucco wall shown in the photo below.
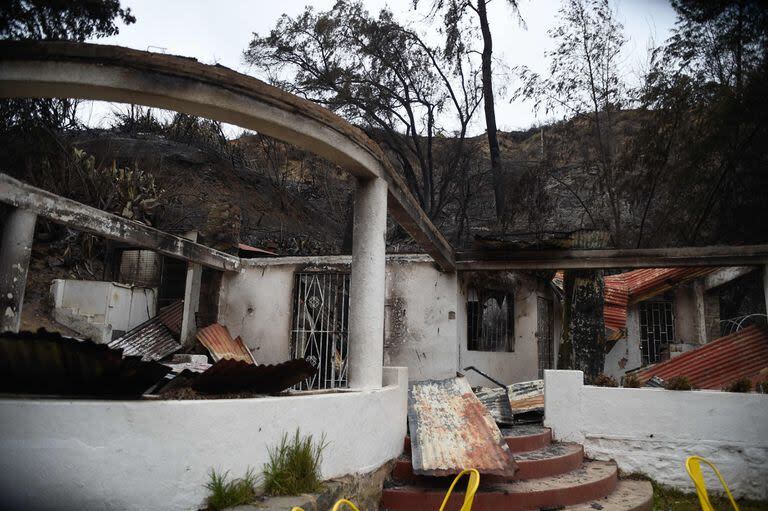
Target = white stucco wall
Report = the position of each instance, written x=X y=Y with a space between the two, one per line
x=139 y=455
x=626 y=354
x=653 y=431
x=425 y=317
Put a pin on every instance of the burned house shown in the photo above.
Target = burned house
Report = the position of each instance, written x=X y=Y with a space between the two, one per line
x=361 y=326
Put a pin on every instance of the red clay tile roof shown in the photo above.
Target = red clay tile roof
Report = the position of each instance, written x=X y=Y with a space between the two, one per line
x=743 y=354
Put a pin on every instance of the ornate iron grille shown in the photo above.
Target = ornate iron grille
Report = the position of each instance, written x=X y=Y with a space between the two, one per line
x=657 y=330
x=490 y=322
x=320 y=332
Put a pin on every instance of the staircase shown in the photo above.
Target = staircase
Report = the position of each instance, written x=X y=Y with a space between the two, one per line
x=550 y=476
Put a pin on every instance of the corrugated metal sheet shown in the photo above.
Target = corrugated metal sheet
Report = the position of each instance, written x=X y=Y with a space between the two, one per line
x=527 y=396
x=625 y=289
x=743 y=354
x=171 y=316
x=227 y=376
x=248 y=252
x=451 y=430
x=220 y=344
x=48 y=363
x=519 y=398
x=496 y=401
x=649 y=282
x=153 y=339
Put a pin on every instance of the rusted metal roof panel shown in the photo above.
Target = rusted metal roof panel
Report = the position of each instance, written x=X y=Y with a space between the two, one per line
x=50 y=364
x=220 y=344
x=153 y=339
x=451 y=430
x=518 y=398
x=227 y=376
x=527 y=396
x=171 y=316
x=743 y=354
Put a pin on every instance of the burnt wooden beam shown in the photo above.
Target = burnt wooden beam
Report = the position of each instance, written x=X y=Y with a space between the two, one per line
x=95 y=221
x=495 y=260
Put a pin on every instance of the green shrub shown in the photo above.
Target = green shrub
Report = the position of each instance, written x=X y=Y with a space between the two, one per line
x=678 y=383
x=294 y=466
x=225 y=493
x=740 y=385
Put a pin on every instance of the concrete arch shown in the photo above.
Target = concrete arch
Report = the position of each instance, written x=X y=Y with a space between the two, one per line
x=112 y=73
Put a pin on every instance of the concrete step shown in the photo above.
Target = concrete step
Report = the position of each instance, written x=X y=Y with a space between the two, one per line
x=527 y=437
x=592 y=481
x=549 y=461
x=629 y=495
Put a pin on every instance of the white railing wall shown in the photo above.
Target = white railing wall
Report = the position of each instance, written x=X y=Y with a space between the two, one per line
x=653 y=431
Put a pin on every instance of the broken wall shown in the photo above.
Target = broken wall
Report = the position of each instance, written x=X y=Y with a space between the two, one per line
x=425 y=316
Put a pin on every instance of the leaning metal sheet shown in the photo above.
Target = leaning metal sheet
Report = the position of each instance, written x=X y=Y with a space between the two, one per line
x=451 y=431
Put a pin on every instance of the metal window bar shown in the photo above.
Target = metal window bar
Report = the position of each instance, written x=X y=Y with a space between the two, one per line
x=657 y=330
x=490 y=325
x=320 y=327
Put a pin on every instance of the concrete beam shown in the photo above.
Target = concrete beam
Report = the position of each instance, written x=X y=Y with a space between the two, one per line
x=111 y=73
x=95 y=221
x=482 y=260
x=367 y=285
x=15 y=252
x=725 y=275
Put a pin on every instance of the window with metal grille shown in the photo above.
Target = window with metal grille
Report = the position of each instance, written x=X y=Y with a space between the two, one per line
x=490 y=322
x=657 y=329
x=319 y=332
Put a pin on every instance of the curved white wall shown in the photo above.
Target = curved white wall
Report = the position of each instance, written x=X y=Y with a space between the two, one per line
x=139 y=455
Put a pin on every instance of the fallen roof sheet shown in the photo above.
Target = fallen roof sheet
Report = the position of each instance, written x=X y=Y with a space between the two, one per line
x=629 y=288
x=247 y=251
x=743 y=354
x=451 y=430
x=50 y=364
x=227 y=376
x=527 y=396
x=220 y=344
x=154 y=339
x=518 y=398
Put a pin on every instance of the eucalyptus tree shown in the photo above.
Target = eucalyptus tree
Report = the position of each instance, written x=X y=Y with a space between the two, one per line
x=386 y=78
x=462 y=20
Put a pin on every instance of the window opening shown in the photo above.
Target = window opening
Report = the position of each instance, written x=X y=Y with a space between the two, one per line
x=657 y=329
x=490 y=322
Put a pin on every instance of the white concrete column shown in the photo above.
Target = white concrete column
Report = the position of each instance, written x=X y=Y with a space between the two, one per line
x=15 y=251
x=367 y=286
x=191 y=298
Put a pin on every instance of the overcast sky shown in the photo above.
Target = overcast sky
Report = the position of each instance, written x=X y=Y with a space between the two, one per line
x=218 y=32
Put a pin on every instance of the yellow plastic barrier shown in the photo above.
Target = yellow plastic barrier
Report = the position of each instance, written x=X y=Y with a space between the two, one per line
x=693 y=466
x=469 y=496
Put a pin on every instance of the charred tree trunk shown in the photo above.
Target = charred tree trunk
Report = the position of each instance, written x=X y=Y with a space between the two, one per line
x=490 y=110
x=582 y=346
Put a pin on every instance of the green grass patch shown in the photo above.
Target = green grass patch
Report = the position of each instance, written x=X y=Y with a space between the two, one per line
x=672 y=499
x=224 y=493
x=294 y=466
